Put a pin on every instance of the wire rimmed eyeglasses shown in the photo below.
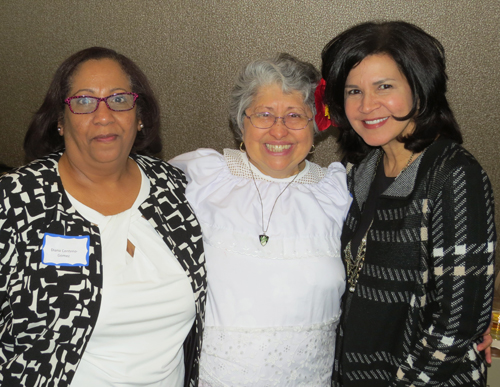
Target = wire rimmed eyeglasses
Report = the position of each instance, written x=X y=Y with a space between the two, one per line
x=118 y=102
x=265 y=120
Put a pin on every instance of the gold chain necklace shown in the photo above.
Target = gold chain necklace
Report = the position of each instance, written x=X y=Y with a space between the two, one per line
x=355 y=264
x=407 y=164
x=264 y=238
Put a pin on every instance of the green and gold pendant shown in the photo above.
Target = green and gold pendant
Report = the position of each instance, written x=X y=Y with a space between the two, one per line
x=263 y=239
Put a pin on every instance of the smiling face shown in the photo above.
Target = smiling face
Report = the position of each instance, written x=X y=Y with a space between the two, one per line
x=375 y=92
x=277 y=151
x=103 y=136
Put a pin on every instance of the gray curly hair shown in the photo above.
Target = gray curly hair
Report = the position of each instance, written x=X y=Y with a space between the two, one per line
x=283 y=69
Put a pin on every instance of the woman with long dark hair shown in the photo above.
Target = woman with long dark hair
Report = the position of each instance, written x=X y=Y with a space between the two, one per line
x=418 y=243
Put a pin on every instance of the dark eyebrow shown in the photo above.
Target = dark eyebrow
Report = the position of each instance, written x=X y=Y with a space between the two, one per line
x=82 y=90
x=113 y=91
x=383 y=81
x=374 y=83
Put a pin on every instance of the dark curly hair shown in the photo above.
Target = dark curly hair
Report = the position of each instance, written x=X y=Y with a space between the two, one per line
x=42 y=137
x=419 y=56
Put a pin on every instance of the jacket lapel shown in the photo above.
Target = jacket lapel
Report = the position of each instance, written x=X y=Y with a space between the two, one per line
x=172 y=217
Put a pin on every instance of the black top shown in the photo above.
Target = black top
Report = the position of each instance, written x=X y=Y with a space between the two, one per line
x=380 y=183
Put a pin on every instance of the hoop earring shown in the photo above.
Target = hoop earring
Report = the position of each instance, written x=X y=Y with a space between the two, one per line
x=313 y=149
x=242 y=144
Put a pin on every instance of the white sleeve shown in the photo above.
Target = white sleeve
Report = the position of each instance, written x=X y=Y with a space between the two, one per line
x=202 y=168
x=334 y=185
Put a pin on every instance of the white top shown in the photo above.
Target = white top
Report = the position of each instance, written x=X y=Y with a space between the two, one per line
x=271 y=310
x=147 y=307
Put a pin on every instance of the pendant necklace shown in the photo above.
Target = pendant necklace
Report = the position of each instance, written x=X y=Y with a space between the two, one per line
x=355 y=264
x=264 y=238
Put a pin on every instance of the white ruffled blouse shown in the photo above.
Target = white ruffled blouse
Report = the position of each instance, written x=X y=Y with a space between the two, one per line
x=271 y=310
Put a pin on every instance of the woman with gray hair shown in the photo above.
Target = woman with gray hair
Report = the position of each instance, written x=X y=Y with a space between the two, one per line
x=271 y=223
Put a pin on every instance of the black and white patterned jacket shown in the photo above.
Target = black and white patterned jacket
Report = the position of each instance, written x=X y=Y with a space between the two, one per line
x=48 y=313
x=424 y=294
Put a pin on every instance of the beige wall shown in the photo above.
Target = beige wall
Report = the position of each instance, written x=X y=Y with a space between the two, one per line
x=191 y=51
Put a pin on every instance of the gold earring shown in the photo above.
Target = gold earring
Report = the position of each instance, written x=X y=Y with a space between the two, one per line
x=313 y=149
x=242 y=144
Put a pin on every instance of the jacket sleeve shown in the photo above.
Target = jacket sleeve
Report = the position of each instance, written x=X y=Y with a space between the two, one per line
x=461 y=252
x=8 y=261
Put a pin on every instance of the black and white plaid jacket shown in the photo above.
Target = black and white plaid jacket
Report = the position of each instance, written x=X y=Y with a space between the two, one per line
x=48 y=313
x=424 y=294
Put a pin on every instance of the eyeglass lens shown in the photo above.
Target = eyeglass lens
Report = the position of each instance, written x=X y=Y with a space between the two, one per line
x=292 y=121
x=116 y=102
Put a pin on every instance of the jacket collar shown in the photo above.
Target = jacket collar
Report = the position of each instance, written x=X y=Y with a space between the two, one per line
x=401 y=188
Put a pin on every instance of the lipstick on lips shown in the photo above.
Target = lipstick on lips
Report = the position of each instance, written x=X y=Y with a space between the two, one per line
x=374 y=123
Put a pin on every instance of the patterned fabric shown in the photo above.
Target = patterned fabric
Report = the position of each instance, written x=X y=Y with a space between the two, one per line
x=424 y=295
x=237 y=163
x=48 y=312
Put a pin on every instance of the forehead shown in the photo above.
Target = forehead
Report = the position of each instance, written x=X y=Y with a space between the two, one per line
x=100 y=73
x=272 y=95
x=377 y=65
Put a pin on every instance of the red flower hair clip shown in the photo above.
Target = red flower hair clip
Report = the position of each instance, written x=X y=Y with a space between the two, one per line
x=322 y=117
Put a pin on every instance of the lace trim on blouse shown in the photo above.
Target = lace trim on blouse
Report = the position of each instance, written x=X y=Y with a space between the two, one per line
x=237 y=162
x=278 y=356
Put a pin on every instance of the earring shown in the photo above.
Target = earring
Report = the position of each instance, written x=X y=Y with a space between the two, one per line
x=59 y=131
x=242 y=144
x=313 y=149
x=141 y=126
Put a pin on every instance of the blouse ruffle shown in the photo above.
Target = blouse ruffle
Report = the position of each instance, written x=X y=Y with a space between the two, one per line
x=307 y=218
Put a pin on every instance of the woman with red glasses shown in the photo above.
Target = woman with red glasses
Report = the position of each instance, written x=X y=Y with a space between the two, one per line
x=101 y=278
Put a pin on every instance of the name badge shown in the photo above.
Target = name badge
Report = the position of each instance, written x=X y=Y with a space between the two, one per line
x=62 y=250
